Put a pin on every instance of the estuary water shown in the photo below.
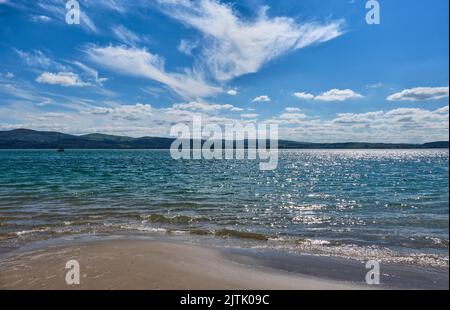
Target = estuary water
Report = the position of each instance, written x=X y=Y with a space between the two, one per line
x=390 y=205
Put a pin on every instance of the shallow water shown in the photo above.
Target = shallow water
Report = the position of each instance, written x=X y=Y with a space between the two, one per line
x=390 y=205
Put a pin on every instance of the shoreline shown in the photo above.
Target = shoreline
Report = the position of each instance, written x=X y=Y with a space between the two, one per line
x=156 y=264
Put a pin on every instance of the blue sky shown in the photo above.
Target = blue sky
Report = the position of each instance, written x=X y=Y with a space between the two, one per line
x=314 y=67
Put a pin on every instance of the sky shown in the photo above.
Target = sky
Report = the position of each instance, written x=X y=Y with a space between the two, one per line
x=315 y=68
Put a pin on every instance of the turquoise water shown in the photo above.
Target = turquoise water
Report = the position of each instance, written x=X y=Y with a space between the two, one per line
x=390 y=205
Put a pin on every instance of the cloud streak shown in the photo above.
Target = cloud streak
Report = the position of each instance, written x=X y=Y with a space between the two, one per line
x=233 y=46
x=126 y=36
x=420 y=94
x=139 y=62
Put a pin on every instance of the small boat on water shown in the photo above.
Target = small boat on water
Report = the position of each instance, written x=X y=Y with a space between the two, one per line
x=60 y=150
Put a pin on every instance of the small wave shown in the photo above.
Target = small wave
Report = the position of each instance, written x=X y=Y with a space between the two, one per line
x=351 y=251
x=177 y=219
x=27 y=232
x=144 y=228
x=438 y=242
x=201 y=232
x=321 y=247
x=240 y=234
x=317 y=242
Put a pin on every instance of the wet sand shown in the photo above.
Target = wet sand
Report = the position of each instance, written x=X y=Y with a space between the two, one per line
x=129 y=264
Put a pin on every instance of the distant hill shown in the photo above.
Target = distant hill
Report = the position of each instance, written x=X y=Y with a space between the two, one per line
x=31 y=139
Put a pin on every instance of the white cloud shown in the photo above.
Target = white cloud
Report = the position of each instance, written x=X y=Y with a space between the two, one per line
x=290 y=109
x=263 y=98
x=338 y=95
x=232 y=92
x=87 y=23
x=125 y=35
x=443 y=110
x=141 y=63
x=354 y=118
x=113 y=5
x=234 y=46
x=250 y=115
x=22 y=92
x=304 y=95
x=406 y=125
x=374 y=85
x=205 y=107
x=92 y=72
x=8 y=75
x=187 y=46
x=135 y=112
x=40 y=18
x=397 y=119
x=420 y=93
x=236 y=109
x=331 y=95
x=67 y=79
x=290 y=116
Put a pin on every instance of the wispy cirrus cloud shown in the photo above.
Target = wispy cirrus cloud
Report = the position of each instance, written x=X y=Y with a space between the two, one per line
x=139 y=62
x=136 y=112
x=120 y=6
x=39 y=59
x=420 y=94
x=230 y=45
x=62 y=73
x=205 y=107
x=187 y=46
x=91 y=72
x=233 y=45
x=22 y=93
x=126 y=36
x=40 y=18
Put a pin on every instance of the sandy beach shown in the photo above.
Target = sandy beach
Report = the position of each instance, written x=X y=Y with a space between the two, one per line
x=149 y=265
x=165 y=265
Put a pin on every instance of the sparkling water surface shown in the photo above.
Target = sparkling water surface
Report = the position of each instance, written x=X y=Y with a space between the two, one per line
x=386 y=204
